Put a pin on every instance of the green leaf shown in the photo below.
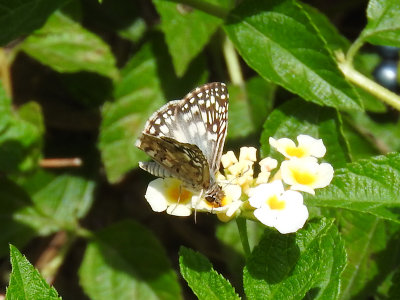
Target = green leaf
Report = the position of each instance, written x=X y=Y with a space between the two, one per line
x=228 y=234
x=335 y=41
x=204 y=281
x=367 y=186
x=360 y=144
x=22 y=17
x=25 y=281
x=296 y=266
x=21 y=135
x=66 y=46
x=261 y=96
x=135 y=31
x=394 y=292
x=372 y=250
x=13 y=200
x=383 y=133
x=126 y=261
x=249 y=107
x=240 y=120
x=298 y=117
x=232 y=247
x=145 y=85
x=186 y=30
x=277 y=39
x=58 y=201
x=383 y=26
x=329 y=32
x=137 y=95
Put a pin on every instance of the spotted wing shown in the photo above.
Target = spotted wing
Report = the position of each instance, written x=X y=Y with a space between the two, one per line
x=183 y=161
x=200 y=118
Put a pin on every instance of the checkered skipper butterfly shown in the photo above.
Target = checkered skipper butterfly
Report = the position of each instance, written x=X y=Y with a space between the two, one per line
x=185 y=138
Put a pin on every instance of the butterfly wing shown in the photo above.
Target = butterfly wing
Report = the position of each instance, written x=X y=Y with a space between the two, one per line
x=183 y=161
x=200 y=118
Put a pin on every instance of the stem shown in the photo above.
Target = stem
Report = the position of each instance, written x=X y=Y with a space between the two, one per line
x=5 y=70
x=83 y=233
x=242 y=227
x=358 y=43
x=60 y=162
x=232 y=62
x=51 y=260
x=369 y=85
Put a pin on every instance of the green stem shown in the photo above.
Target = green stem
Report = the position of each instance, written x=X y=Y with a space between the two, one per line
x=369 y=85
x=232 y=62
x=84 y=233
x=242 y=227
x=358 y=43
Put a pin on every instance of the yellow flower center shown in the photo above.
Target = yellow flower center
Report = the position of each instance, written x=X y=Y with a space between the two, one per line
x=295 y=152
x=274 y=203
x=177 y=194
x=304 y=178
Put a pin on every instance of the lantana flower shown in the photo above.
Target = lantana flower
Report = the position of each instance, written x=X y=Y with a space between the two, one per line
x=306 y=174
x=266 y=166
x=167 y=194
x=272 y=197
x=307 y=146
x=278 y=208
x=240 y=171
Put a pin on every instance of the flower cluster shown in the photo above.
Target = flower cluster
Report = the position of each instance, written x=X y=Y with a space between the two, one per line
x=272 y=197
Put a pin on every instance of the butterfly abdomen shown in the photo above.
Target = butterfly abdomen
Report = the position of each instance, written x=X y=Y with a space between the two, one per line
x=155 y=169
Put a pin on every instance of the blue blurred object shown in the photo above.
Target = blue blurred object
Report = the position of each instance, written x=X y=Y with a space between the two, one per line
x=386 y=74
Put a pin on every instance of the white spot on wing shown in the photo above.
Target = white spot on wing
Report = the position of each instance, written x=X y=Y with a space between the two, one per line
x=164 y=129
x=194 y=109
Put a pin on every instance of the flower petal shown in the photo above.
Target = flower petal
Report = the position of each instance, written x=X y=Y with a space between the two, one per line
x=315 y=147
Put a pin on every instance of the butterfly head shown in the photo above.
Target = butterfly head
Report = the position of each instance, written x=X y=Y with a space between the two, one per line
x=215 y=196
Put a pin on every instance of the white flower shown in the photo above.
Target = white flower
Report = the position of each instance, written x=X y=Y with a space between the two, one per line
x=305 y=174
x=278 y=208
x=240 y=171
x=228 y=159
x=267 y=164
x=307 y=146
x=167 y=194
x=248 y=153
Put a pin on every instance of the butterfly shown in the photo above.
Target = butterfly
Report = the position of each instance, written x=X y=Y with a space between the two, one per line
x=185 y=138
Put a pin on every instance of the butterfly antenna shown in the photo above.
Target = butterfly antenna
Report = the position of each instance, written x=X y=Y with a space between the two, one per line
x=230 y=181
x=195 y=207
x=179 y=198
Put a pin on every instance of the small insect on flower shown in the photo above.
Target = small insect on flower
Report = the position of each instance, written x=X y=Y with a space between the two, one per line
x=185 y=138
